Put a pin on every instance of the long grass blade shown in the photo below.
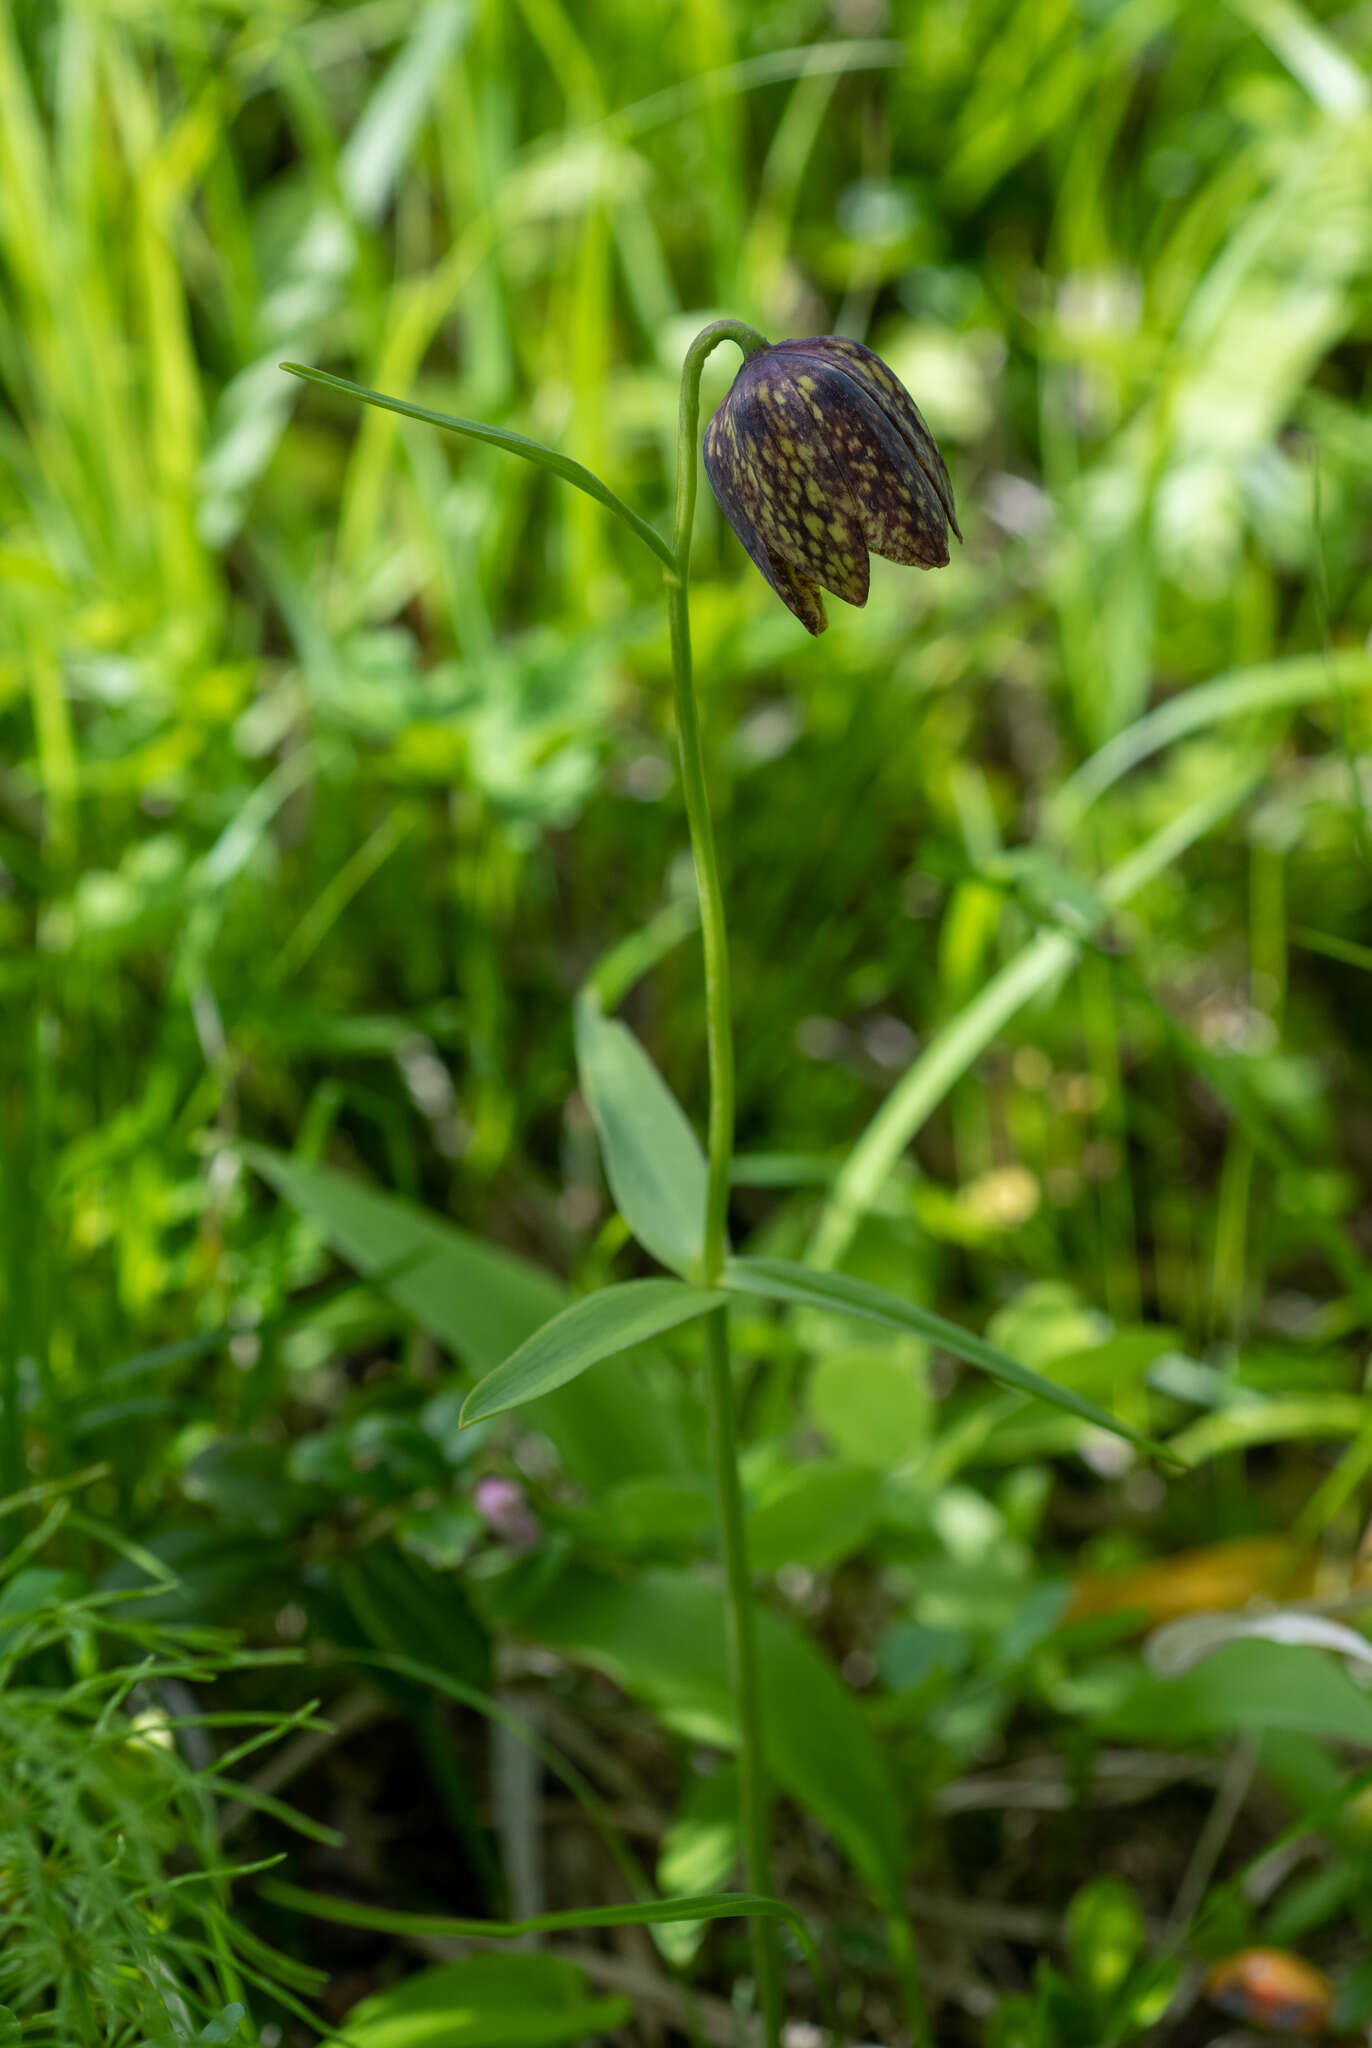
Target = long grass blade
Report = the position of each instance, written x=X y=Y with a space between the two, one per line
x=951 y=1051
x=643 y=1913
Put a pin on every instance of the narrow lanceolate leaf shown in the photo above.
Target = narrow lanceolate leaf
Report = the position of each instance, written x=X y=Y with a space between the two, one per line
x=499 y=437
x=653 y=1160
x=643 y=1913
x=809 y=1287
x=613 y=1320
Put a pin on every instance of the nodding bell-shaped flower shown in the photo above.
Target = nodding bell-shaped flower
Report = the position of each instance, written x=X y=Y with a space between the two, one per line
x=817 y=456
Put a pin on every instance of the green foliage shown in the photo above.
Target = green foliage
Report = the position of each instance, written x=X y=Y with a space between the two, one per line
x=662 y=1637
x=485 y=2002
x=482 y=1302
x=1109 y=1993
x=337 y=750
x=118 y=1918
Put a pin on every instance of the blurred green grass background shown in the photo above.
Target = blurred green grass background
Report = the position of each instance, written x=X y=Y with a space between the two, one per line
x=334 y=755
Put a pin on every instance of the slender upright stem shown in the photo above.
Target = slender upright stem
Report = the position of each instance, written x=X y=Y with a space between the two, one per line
x=718 y=1026
x=754 y=1799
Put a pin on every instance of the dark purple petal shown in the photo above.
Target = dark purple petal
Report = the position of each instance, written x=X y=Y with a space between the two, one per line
x=803 y=508
x=737 y=494
x=901 y=514
x=868 y=370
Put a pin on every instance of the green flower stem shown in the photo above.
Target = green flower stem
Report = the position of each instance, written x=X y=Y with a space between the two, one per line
x=713 y=935
x=754 y=1793
x=754 y=1799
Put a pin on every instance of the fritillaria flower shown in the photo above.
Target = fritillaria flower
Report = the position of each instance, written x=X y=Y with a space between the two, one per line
x=819 y=456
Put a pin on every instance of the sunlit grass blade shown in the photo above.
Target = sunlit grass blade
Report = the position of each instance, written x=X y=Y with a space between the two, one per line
x=751 y=74
x=1284 y=1419
x=1333 y=947
x=951 y=1051
x=383 y=137
x=498 y=437
x=1276 y=686
x=1310 y=54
